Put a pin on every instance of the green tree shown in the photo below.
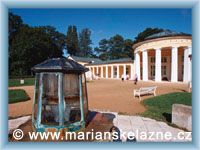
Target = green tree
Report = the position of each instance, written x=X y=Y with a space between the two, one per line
x=103 y=49
x=72 y=40
x=116 y=47
x=15 y=23
x=84 y=43
x=31 y=45
x=128 y=50
x=57 y=40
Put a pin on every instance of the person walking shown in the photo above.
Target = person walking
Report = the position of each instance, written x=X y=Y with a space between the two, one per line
x=136 y=79
x=122 y=77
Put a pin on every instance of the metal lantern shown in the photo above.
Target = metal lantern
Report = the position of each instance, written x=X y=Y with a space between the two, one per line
x=60 y=98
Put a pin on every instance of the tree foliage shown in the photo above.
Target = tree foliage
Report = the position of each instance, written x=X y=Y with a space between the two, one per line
x=15 y=23
x=29 y=46
x=114 y=48
x=103 y=49
x=72 y=40
x=84 y=43
x=117 y=47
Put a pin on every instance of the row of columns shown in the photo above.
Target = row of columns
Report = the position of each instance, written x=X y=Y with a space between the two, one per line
x=174 y=65
x=112 y=70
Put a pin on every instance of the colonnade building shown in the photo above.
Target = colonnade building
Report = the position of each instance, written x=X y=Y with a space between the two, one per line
x=165 y=56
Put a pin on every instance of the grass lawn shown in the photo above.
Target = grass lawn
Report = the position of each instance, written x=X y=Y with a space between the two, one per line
x=16 y=82
x=160 y=107
x=17 y=96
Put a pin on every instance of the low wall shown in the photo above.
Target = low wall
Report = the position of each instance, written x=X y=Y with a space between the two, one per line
x=182 y=116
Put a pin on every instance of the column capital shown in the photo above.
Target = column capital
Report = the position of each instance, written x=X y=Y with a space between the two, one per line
x=189 y=48
x=158 y=49
x=138 y=52
x=145 y=50
x=175 y=47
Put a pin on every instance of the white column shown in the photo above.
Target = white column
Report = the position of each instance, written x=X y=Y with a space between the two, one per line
x=158 y=65
x=132 y=71
x=102 y=71
x=174 y=64
x=106 y=71
x=185 y=69
x=97 y=70
x=189 y=64
x=145 y=65
x=112 y=71
x=93 y=70
x=124 y=71
x=117 y=71
x=137 y=64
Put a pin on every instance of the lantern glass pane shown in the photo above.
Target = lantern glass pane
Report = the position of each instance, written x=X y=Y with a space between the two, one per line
x=72 y=112
x=50 y=109
x=84 y=88
x=37 y=93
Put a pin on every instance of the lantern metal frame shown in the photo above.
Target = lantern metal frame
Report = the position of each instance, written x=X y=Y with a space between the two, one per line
x=36 y=122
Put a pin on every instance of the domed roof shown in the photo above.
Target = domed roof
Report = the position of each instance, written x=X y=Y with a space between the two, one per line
x=166 y=33
x=60 y=65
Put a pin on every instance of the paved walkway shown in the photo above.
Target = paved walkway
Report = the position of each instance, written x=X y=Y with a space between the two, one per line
x=143 y=125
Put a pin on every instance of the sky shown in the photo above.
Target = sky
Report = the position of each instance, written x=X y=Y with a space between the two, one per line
x=105 y=23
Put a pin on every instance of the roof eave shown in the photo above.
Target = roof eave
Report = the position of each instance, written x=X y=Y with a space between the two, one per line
x=161 y=38
x=109 y=63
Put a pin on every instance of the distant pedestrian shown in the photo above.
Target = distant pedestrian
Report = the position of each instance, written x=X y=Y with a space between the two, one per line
x=136 y=79
x=122 y=77
x=127 y=77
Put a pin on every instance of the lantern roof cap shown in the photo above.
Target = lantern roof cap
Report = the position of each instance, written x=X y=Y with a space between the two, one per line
x=61 y=64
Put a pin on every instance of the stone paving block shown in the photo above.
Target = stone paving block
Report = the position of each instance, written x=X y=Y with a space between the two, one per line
x=182 y=116
x=139 y=129
x=146 y=125
x=15 y=123
x=148 y=119
x=136 y=120
x=124 y=122
x=137 y=123
x=153 y=126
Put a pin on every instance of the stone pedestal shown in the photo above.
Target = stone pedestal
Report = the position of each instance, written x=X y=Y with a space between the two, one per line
x=182 y=116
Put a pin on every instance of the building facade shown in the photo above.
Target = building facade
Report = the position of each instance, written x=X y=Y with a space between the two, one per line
x=112 y=69
x=165 y=56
